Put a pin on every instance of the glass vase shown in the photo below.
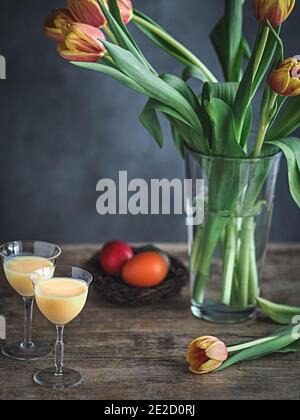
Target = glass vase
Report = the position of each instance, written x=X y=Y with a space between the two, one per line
x=227 y=251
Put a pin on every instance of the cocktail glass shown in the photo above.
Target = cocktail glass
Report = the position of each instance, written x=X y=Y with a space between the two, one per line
x=61 y=294
x=20 y=259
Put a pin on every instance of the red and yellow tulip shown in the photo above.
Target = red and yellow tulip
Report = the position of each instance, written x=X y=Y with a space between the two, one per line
x=56 y=24
x=82 y=43
x=285 y=79
x=274 y=11
x=206 y=354
x=89 y=11
x=126 y=10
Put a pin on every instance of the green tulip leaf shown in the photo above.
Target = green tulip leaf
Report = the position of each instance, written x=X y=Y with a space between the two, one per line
x=290 y=146
x=246 y=49
x=187 y=133
x=288 y=121
x=152 y=103
x=151 y=122
x=282 y=314
x=156 y=87
x=183 y=89
x=115 y=12
x=114 y=73
x=191 y=137
x=200 y=144
x=228 y=40
x=193 y=72
x=156 y=38
x=273 y=346
x=250 y=82
x=227 y=92
x=121 y=33
x=178 y=140
x=224 y=141
x=292 y=348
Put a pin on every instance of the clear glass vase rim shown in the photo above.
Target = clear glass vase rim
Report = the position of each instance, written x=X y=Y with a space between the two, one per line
x=30 y=242
x=241 y=159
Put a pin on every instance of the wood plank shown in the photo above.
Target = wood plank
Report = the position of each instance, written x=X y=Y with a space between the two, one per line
x=138 y=353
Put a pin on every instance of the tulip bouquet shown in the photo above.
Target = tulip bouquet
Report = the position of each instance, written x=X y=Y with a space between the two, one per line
x=93 y=35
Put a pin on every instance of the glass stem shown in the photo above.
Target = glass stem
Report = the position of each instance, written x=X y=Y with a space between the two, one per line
x=28 y=309
x=59 y=351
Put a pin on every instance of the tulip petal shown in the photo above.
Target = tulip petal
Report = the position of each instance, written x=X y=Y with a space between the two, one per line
x=293 y=87
x=274 y=11
x=217 y=351
x=206 y=354
x=73 y=43
x=56 y=24
x=54 y=33
x=78 y=55
x=207 y=367
x=279 y=80
x=88 y=33
x=126 y=10
x=288 y=64
x=296 y=72
x=82 y=44
x=88 y=12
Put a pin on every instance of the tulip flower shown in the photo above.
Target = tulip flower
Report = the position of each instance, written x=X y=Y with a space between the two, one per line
x=274 y=11
x=56 y=24
x=285 y=79
x=82 y=43
x=126 y=10
x=87 y=11
x=206 y=354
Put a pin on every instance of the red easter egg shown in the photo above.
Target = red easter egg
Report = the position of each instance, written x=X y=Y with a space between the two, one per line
x=114 y=255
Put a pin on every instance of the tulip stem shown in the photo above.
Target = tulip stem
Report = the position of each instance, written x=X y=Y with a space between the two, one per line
x=234 y=349
x=229 y=263
x=191 y=58
x=283 y=332
x=261 y=50
x=110 y=34
x=266 y=119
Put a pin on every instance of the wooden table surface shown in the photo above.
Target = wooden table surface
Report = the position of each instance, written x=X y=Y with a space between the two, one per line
x=138 y=353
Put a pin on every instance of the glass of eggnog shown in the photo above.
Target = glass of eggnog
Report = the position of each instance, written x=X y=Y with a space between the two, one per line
x=61 y=294
x=20 y=259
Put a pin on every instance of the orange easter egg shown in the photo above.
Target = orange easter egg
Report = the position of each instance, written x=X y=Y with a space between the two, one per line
x=147 y=269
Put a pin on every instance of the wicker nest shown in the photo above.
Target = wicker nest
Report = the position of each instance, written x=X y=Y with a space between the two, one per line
x=115 y=290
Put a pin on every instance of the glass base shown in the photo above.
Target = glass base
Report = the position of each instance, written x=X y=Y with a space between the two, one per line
x=48 y=379
x=17 y=351
x=221 y=314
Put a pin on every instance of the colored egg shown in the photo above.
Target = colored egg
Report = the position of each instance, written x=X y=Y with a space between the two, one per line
x=152 y=248
x=147 y=269
x=113 y=256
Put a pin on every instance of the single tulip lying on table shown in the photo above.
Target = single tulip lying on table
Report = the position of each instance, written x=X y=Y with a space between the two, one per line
x=209 y=354
x=216 y=123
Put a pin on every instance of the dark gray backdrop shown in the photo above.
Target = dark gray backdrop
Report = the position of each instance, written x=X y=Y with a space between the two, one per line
x=63 y=129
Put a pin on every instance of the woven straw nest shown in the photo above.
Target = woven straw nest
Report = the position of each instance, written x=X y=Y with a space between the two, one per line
x=115 y=290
